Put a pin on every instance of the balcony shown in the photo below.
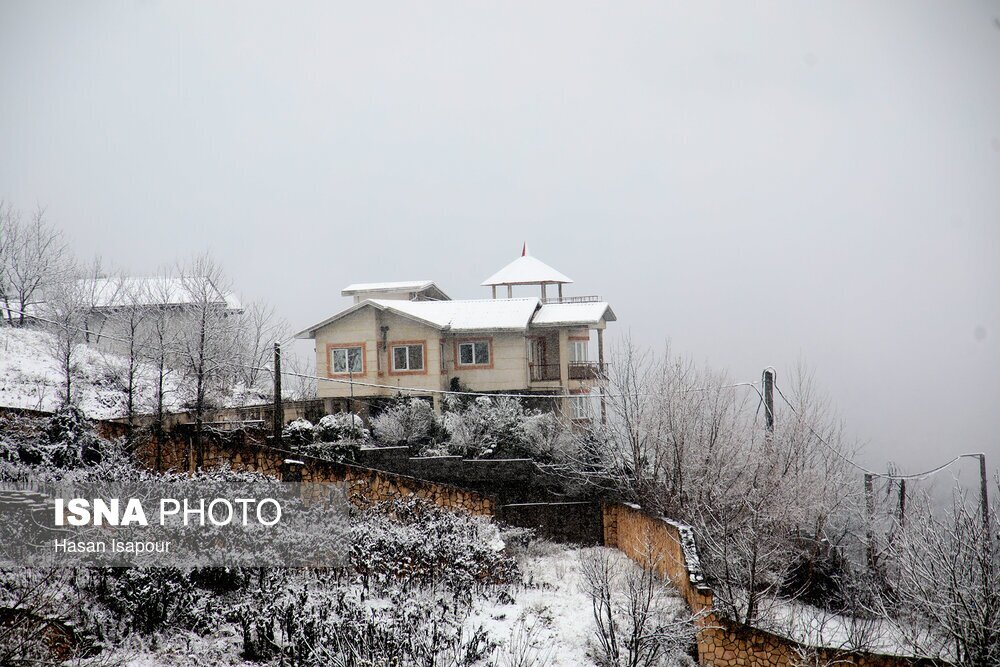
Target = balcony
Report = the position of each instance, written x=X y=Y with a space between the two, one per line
x=543 y=372
x=578 y=370
x=587 y=370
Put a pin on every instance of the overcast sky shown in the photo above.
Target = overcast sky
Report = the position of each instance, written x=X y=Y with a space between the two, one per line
x=759 y=186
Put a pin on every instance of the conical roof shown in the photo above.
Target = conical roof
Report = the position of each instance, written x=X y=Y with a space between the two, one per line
x=526 y=270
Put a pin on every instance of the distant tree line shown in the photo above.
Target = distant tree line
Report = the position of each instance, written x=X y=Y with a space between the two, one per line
x=174 y=339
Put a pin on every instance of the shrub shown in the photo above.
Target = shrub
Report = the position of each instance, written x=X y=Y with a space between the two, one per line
x=411 y=421
x=488 y=428
x=315 y=627
x=416 y=540
x=340 y=426
x=547 y=439
x=298 y=433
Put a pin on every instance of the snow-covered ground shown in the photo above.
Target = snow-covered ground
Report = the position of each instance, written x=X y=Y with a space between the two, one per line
x=816 y=627
x=550 y=622
x=30 y=376
x=551 y=611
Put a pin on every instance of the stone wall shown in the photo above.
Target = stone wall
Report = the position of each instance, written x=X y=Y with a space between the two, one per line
x=668 y=548
x=364 y=484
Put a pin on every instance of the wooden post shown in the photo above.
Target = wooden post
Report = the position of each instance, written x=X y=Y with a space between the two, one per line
x=279 y=416
x=902 y=503
x=600 y=370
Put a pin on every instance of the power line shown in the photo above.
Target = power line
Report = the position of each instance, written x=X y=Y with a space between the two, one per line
x=420 y=390
x=915 y=476
x=375 y=385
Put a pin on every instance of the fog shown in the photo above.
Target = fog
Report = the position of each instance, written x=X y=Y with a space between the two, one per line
x=760 y=186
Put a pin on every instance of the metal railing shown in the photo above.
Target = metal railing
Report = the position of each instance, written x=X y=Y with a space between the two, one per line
x=586 y=370
x=543 y=372
x=578 y=370
x=593 y=298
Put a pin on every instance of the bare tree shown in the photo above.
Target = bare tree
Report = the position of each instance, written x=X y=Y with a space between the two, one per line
x=35 y=256
x=128 y=321
x=206 y=337
x=300 y=383
x=65 y=309
x=640 y=620
x=256 y=334
x=944 y=583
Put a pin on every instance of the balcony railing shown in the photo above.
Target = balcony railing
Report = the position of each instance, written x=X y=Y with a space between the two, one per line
x=578 y=370
x=543 y=372
x=593 y=298
x=586 y=370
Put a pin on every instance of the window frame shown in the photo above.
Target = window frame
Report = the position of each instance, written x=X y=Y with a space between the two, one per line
x=582 y=342
x=394 y=345
x=582 y=398
x=330 y=347
x=473 y=341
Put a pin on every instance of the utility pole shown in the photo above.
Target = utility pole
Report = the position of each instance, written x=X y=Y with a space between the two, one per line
x=984 y=505
x=768 y=381
x=870 y=506
x=279 y=413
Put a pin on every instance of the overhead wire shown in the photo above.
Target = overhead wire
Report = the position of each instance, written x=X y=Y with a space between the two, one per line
x=881 y=475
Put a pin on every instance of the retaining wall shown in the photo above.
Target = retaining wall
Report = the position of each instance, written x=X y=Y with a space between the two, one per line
x=668 y=548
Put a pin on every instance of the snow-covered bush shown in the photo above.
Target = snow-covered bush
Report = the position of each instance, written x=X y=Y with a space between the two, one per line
x=65 y=440
x=547 y=438
x=299 y=432
x=488 y=428
x=146 y=600
x=340 y=426
x=415 y=539
x=311 y=626
x=411 y=421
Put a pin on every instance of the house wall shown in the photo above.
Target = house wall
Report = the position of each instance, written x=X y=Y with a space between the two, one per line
x=364 y=326
x=508 y=368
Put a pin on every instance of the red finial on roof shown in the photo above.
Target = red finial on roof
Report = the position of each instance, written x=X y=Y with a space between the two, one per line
x=524 y=249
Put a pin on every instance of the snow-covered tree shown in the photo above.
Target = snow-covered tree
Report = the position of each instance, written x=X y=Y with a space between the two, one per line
x=943 y=582
x=206 y=337
x=33 y=258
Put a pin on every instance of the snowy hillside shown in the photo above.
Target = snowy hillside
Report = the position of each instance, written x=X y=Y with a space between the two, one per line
x=30 y=377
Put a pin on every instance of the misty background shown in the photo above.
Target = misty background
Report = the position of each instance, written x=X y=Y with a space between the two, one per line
x=760 y=186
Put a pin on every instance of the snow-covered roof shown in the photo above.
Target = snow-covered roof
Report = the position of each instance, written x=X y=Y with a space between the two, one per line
x=526 y=270
x=149 y=291
x=568 y=314
x=457 y=316
x=398 y=286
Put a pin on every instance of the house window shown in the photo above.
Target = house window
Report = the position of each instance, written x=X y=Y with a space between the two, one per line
x=408 y=357
x=578 y=350
x=474 y=353
x=581 y=407
x=443 y=367
x=345 y=360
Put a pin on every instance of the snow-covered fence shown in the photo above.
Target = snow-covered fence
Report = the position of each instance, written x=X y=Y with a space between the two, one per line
x=669 y=548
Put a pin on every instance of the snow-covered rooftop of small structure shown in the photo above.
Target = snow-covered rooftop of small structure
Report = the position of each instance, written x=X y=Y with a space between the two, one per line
x=566 y=314
x=458 y=316
x=526 y=270
x=398 y=286
x=149 y=291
